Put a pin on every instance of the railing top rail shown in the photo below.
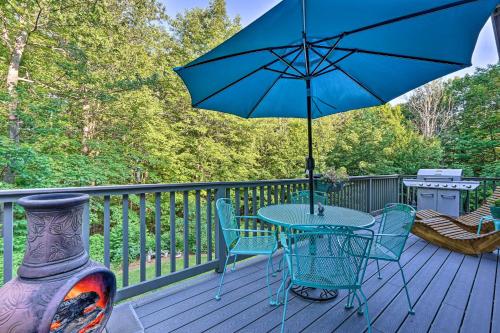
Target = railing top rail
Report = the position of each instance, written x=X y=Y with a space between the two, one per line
x=15 y=194
x=8 y=195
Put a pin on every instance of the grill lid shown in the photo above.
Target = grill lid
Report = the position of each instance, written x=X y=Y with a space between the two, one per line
x=441 y=178
x=441 y=174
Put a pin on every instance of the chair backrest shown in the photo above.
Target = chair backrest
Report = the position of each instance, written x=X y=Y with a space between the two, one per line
x=484 y=208
x=493 y=197
x=328 y=257
x=397 y=219
x=227 y=220
x=302 y=197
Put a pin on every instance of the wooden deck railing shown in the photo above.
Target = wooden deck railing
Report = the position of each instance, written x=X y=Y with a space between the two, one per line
x=169 y=232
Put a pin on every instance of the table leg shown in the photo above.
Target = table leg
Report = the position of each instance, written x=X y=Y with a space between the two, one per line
x=314 y=294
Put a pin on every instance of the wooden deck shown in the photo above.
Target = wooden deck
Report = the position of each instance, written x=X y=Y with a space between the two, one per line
x=451 y=292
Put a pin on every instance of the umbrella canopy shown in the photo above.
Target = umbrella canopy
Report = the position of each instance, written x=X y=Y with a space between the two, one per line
x=312 y=58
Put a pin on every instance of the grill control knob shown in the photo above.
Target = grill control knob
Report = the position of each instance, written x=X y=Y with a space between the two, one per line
x=437 y=185
x=468 y=186
x=420 y=184
x=454 y=185
x=429 y=184
x=445 y=185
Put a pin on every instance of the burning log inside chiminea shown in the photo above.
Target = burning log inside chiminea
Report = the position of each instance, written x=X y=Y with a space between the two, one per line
x=58 y=289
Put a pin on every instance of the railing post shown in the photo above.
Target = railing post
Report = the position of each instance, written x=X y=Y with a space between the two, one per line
x=86 y=226
x=402 y=186
x=220 y=247
x=369 y=196
x=8 y=235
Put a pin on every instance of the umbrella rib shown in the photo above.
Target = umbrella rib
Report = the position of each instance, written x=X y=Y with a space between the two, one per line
x=290 y=65
x=331 y=64
x=317 y=107
x=325 y=72
x=402 y=56
x=239 y=54
x=361 y=85
x=327 y=104
x=241 y=78
x=397 y=19
x=327 y=55
x=262 y=97
x=284 y=73
x=352 y=78
x=271 y=87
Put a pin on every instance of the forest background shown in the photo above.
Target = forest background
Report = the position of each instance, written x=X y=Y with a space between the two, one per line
x=88 y=97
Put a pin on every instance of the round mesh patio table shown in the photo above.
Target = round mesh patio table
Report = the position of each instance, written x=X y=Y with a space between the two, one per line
x=289 y=215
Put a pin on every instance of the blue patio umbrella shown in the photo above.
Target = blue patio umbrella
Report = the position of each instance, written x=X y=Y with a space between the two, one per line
x=313 y=58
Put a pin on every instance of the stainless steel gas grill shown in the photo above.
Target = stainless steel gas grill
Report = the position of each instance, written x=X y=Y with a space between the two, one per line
x=439 y=189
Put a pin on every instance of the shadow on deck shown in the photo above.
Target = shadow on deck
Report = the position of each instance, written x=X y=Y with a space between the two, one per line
x=451 y=292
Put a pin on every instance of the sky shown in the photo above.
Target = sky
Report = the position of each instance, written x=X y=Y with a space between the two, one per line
x=485 y=52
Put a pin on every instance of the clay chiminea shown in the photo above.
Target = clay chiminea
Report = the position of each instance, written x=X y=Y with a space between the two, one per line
x=58 y=289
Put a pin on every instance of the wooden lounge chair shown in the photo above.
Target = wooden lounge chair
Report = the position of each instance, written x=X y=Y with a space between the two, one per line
x=470 y=221
x=447 y=234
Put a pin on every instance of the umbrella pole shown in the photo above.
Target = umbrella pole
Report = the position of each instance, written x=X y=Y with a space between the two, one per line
x=310 y=159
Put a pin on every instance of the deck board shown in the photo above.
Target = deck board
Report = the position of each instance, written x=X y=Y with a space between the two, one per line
x=451 y=311
x=495 y=316
x=481 y=297
x=429 y=301
x=451 y=292
x=417 y=275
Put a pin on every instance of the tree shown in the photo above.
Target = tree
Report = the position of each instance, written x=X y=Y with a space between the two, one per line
x=431 y=108
x=473 y=140
x=380 y=141
x=82 y=58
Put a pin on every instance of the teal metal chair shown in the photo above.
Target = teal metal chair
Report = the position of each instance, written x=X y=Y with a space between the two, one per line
x=302 y=197
x=389 y=242
x=326 y=257
x=237 y=244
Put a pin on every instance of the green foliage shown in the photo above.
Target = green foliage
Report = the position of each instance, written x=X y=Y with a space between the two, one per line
x=333 y=176
x=380 y=141
x=473 y=141
x=96 y=247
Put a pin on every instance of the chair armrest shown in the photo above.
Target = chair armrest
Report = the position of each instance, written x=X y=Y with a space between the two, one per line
x=388 y=235
x=377 y=238
x=251 y=230
x=247 y=217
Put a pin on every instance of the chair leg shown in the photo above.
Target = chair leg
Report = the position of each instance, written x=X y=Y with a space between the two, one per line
x=350 y=299
x=217 y=296
x=284 y=309
x=367 y=314
x=269 y=269
x=360 y=304
x=279 y=269
x=282 y=287
x=234 y=263
x=410 y=308
x=378 y=269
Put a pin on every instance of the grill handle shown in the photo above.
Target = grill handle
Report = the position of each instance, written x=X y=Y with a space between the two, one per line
x=426 y=194
x=448 y=196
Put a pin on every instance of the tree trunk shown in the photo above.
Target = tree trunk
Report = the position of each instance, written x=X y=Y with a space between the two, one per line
x=12 y=80
x=89 y=125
